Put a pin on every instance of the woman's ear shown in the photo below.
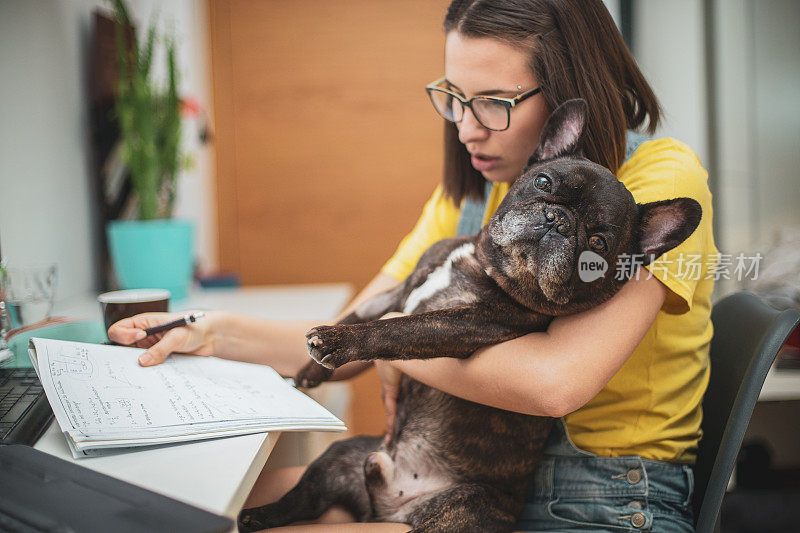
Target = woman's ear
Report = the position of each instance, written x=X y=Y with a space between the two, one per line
x=562 y=132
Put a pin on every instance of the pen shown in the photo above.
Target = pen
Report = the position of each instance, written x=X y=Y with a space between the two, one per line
x=185 y=320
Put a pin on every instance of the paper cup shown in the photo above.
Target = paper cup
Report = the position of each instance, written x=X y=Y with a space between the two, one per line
x=123 y=304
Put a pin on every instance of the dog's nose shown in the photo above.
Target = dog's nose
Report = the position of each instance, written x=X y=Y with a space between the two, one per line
x=560 y=219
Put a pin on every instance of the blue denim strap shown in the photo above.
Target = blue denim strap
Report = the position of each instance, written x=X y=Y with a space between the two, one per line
x=559 y=443
x=472 y=213
x=633 y=140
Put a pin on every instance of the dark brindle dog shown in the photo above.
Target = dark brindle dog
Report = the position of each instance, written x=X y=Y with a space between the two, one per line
x=451 y=464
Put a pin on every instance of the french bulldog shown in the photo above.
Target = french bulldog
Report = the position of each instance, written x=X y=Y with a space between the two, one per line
x=451 y=464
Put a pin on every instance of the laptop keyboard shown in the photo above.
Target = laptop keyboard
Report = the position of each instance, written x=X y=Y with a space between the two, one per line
x=21 y=399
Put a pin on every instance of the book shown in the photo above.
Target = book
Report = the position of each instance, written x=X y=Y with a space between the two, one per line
x=102 y=399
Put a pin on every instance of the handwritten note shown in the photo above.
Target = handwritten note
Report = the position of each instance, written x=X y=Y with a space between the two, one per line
x=100 y=392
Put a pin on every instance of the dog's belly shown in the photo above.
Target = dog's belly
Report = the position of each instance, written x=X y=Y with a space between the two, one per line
x=414 y=472
x=441 y=441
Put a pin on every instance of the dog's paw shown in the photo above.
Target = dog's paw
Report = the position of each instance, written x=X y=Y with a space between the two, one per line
x=251 y=520
x=378 y=467
x=269 y=516
x=329 y=346
x=312 y=375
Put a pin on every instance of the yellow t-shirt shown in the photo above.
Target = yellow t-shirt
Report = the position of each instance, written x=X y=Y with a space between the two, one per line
x=652 y=405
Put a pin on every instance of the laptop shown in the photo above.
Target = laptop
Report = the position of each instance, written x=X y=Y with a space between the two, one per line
x=24 y=410
x=40 y=492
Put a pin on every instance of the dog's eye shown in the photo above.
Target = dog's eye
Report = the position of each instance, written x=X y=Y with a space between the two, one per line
x=597 y=243
x=542 y=183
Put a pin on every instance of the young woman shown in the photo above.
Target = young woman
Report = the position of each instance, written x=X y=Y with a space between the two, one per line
x=627 y=377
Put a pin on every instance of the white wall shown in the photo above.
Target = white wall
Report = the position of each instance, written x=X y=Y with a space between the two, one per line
x=734 y=68
x=758 y=77
x=613 y=8
x=776 y=112
x=668 y=45
x=45 y=197
x=44 y=181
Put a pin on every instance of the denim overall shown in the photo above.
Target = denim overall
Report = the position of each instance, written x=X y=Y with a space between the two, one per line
x=575 y=490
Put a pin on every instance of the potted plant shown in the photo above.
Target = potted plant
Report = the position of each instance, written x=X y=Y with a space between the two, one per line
x=153 y=251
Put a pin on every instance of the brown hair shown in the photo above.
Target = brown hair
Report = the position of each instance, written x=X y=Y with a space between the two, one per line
x=575 y=51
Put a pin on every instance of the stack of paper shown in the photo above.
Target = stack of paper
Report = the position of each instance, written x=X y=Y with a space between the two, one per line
x=103 y=399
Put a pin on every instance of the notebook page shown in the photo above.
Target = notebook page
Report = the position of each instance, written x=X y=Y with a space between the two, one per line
x=101 y=391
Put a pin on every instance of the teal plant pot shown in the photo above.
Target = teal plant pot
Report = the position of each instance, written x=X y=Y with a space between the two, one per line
x=153 y=254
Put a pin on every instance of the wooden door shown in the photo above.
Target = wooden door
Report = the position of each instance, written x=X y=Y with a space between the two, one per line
x=327 y=146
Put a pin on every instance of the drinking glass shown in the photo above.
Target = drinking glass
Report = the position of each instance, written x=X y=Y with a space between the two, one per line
x=29 y=292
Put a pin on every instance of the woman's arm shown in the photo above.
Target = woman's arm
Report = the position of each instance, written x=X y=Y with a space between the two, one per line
x=555 y=372
x=282 y=345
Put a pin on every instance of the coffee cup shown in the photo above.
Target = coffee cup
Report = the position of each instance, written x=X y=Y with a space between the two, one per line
x=117 y=305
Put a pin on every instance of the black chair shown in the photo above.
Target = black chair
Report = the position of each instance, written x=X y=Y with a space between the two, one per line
x=747 y=336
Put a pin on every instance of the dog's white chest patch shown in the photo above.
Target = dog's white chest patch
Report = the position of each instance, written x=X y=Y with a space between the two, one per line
x=438 y=279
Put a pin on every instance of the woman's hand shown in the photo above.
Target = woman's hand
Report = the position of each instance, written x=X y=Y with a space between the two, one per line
x=390 y=388
x=195 y=338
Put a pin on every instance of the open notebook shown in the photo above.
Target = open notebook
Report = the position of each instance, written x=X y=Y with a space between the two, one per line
x=103 y=399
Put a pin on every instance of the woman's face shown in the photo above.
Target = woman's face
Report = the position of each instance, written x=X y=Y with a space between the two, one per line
x=489 y=67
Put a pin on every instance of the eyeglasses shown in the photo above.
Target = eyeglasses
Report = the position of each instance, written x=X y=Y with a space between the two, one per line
x=493 y=113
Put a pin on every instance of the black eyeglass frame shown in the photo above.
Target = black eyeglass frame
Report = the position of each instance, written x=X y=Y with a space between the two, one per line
x=508 y=103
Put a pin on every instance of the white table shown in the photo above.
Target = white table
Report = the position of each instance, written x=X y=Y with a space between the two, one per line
x=277 y=302
x=780 y=385
x=215 y=475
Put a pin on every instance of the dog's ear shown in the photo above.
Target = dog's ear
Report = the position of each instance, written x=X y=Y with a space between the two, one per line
x=562 y=132
x=665 y=224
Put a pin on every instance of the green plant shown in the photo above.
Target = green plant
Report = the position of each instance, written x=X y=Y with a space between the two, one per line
x=149 y=119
